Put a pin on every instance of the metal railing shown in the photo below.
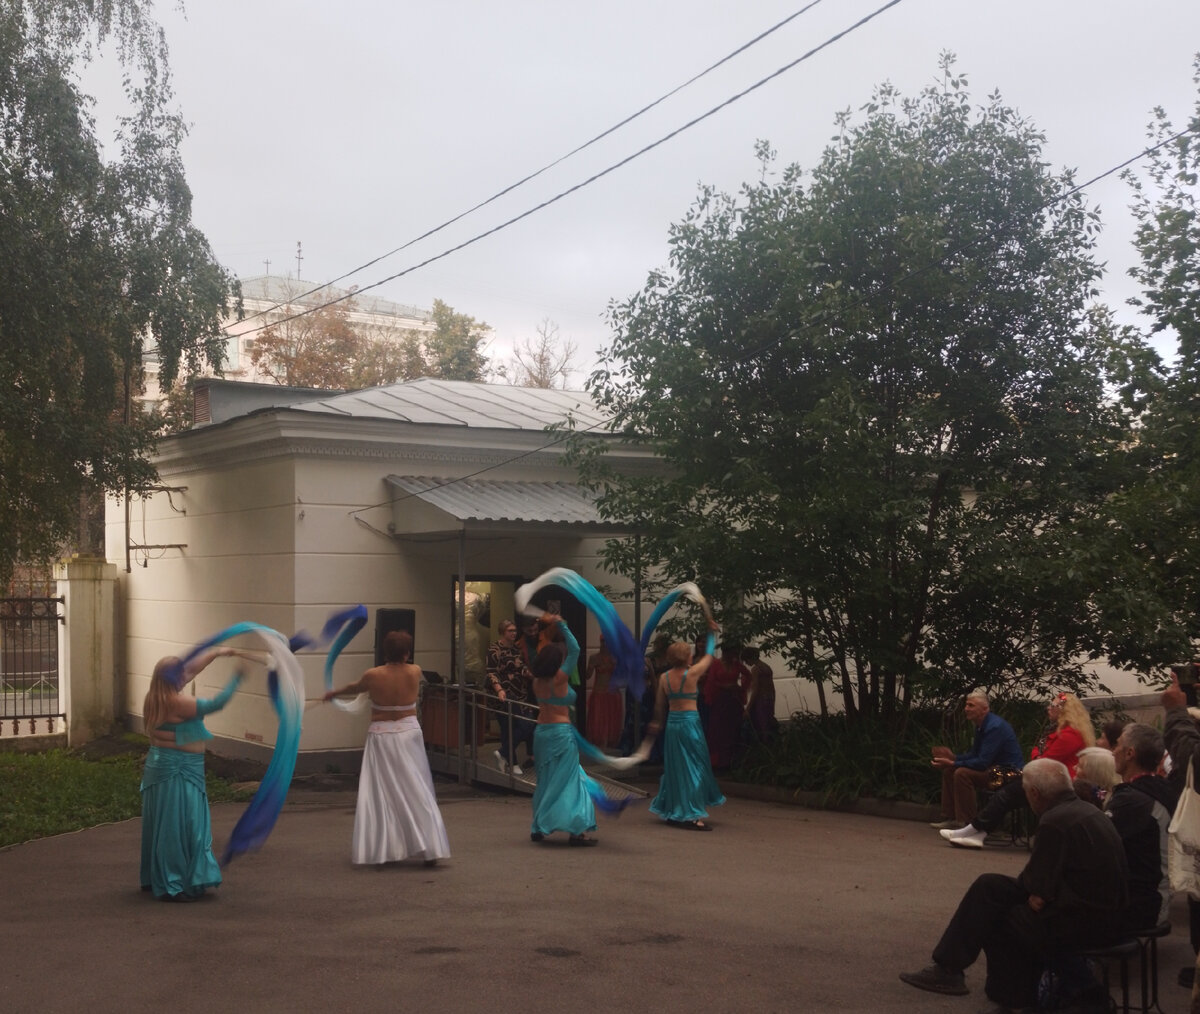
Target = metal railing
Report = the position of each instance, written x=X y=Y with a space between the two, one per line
x=448 y=709
x=29 y=673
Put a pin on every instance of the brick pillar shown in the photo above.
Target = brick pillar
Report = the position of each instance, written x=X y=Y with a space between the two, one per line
x=87 y=646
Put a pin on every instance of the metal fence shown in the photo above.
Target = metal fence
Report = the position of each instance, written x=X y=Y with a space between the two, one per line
x=29 y=677
x=471 y=761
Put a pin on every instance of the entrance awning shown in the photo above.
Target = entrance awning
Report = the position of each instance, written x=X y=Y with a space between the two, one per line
x=426 y=505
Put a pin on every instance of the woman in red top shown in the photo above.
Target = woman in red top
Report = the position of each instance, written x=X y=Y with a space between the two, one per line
x=1071 y=733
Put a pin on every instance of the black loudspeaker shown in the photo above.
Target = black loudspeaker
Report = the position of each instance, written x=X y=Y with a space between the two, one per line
x=387 y=620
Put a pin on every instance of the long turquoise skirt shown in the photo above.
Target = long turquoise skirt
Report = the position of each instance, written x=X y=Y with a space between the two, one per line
x=560 y=801
x=687 y=786
x=177 y=856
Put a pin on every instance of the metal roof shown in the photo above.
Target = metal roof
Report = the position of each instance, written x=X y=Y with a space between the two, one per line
x=461 y=403
x=496 y=501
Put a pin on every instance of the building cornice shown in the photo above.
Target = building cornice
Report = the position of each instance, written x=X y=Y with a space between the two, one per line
x=282 y=433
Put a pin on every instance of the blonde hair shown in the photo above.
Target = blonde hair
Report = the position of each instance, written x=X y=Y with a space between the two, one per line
x=1074 y=714
x=679 y=653
x=158 y=697
x=1096 y=765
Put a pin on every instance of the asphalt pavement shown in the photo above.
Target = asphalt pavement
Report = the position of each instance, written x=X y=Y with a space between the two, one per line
x=779 y=908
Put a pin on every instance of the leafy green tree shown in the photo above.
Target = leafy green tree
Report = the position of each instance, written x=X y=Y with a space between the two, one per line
x=323 y=346
x=1159 y=515
x=881 y=401
x=457 y=348
x=386 y=360
x=96 y=255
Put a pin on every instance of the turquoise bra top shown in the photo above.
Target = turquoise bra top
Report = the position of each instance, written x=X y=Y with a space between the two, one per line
x=562 y=702
x=191 y=731
x=679 y=695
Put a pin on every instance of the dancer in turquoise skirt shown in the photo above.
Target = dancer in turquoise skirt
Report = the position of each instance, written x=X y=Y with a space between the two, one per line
x=687 y=787
x=177 y=857
x=565 y=798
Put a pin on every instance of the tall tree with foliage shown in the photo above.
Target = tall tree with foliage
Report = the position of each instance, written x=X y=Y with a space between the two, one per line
x=1159 y=514
x=319 y=343
x=97 y=254
x=309 y=347
x=880 y=398
x=457 y=349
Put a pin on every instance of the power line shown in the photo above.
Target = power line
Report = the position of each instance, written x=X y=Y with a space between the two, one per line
x=591 y=179
x=533 y=175
x=816 y=322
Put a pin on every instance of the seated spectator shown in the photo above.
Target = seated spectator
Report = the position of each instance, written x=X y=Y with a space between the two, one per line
x=1182 y=737
x=1071 y=732
x=1110 y=732
x=1095 y=775
x=1141 y=808
x=1071 y=894
x=963 y=774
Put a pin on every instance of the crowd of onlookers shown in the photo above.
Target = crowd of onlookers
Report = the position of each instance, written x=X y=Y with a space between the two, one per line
x=1098 y=870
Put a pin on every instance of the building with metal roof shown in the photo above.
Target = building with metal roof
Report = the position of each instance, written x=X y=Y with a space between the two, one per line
x=281 y=505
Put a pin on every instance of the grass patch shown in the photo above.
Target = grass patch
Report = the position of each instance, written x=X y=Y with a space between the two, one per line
x=49 y=793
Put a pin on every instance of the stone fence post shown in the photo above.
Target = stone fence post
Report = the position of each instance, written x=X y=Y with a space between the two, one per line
x=87 y=646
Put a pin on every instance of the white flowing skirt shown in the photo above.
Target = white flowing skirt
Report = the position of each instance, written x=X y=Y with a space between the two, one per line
x=397 y=816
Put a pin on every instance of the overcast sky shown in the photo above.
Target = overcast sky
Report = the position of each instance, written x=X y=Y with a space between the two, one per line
x=355 y=127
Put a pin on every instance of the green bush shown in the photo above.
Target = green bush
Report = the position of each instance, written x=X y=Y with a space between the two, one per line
x=873 y=757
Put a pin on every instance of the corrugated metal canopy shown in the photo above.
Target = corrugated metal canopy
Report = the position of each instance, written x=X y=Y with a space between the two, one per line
x=475 y=503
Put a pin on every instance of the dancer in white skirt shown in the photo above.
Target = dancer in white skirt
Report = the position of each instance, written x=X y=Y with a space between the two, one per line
x=397 y=815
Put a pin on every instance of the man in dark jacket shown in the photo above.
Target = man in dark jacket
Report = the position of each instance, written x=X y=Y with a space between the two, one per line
x=1141 y=808
x=1072 y=893
x=963 y=774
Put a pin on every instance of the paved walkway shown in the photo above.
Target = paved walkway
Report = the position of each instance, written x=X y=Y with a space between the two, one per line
x=778 y=909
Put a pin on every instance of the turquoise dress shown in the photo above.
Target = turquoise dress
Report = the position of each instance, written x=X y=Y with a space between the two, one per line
x=561 y=801
x=177 y=855
x=687 y=786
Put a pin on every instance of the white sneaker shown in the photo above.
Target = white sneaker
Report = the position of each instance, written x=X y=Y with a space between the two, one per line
x=516 y=770
x=969 y=841
x=962 y=832
x=500 y=763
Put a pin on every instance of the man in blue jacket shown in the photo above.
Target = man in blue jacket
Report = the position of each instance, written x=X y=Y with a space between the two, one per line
x=964 y=774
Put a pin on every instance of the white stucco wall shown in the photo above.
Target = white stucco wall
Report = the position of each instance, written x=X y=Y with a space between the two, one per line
x=283 y=529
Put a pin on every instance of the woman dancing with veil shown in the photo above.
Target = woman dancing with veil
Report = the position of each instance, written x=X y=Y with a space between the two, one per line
x=565 y=798
x=687 y=786
x=397 y=815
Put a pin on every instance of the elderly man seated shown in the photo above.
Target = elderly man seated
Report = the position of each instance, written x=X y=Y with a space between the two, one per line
x=963 y=774
x=1140 y=808
x=1072 y=893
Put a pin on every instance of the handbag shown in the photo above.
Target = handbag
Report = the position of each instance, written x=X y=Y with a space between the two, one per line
x=1183 y=839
